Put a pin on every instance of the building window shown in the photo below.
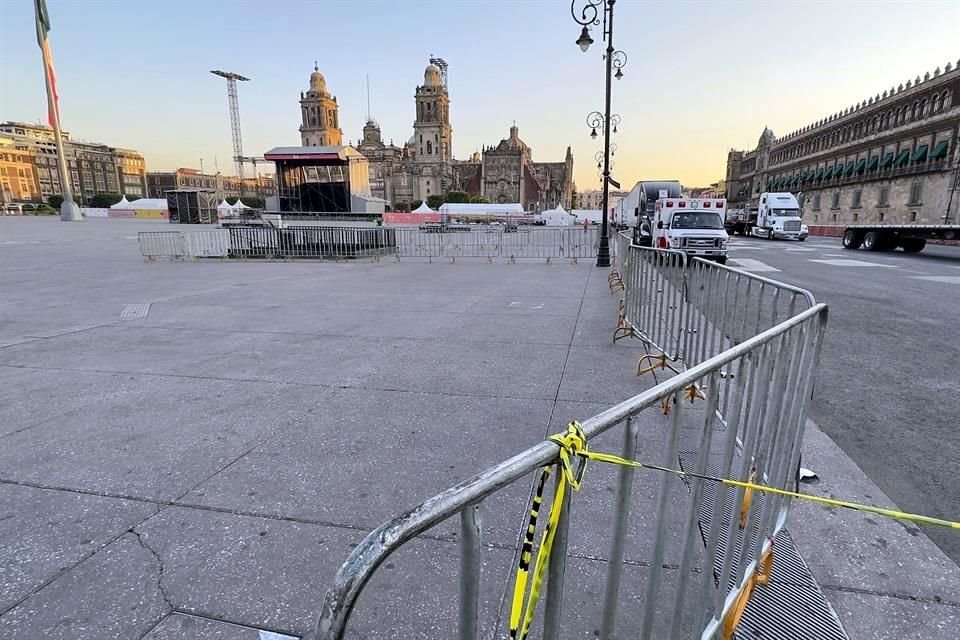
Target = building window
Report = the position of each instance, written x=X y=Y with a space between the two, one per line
x=881 y=216
x=856 y=217
x=834 y=217
x=816 y=202
x=816 y=217
x=835 y=203
x=884 y=199
x=916 y=193
x=913 y=216
x=855 y=204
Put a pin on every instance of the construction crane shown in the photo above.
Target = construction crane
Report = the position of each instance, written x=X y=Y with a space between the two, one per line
x=232 y=78
x=441 y=64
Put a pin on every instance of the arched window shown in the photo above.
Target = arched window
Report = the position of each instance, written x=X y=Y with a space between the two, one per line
x=937 y=103
x=923 y=108
x=947 y=100
x=429 y=147
x=914 y=110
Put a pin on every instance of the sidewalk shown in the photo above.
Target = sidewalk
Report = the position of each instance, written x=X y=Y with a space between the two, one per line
x=213 y=463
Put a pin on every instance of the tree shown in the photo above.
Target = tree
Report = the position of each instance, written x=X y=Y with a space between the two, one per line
x=434 y=201
x=55 y=201
x=415 y=204
x=104 y=200
x=458 y=196
x=480 y=200
x=403 y=206
x=231 y=201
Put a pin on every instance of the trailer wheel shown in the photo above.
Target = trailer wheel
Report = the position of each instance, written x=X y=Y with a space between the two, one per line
x=875 y=241
x=913 y=245
x=852 y=239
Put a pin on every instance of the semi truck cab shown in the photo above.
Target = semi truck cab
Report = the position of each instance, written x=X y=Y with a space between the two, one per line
x=691 y=225
x=778 y=216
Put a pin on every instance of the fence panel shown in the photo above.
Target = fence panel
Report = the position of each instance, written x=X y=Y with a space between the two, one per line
x=531 y=242
x=579 y=243
x=654 y=297
x=161 y=244
x=473 y=243
x=214 y=243
x=757 y=440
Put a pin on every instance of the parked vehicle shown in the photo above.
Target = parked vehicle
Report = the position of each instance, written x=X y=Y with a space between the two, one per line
x=691 y=225
x=909 y=237
x=641 y=200
x=776 y=216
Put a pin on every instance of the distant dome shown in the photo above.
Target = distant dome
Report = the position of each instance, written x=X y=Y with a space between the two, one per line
x=431 y=76
x=318 y=84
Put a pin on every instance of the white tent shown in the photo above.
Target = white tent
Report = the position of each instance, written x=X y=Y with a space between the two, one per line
x=423 y=208
x=514 y=208
x=595 y=216
x=123 y=204
x=239 y=206
x=223 y=206
x=556 y=217
x=156 y=204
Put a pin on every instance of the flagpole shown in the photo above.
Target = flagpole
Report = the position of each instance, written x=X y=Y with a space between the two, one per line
x=69 y=211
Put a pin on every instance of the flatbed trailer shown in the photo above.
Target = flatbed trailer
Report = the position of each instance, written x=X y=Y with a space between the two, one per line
x=912 y=238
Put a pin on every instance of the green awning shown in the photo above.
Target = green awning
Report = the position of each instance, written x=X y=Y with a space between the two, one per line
x=804 y=176
x=776 y=184
x=902 y=158
x=819 y=175
x=939 y=151
x=795 y=181
x=921 y=154
x=848 y=170
x=758 y=188
x=742 y=191
x=872 y=165
x=861 y=166
x=887 y=160
x=828 y=173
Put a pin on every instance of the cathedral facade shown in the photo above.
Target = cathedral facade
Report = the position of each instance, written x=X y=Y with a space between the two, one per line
x=507 y=173
x=424 y=165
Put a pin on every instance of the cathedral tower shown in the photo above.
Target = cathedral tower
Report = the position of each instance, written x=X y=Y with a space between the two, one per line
x=433 y=135
x=320 y=113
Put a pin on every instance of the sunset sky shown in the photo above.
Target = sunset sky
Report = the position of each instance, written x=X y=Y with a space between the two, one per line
x=702 y=77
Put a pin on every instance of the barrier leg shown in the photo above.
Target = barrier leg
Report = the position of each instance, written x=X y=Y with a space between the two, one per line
x=555 y=572
x=471 y=529
x=615 y=563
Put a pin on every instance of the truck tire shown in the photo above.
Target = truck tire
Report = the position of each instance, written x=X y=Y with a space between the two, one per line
x=852 y=239
x=875 y=241
x=913 y=245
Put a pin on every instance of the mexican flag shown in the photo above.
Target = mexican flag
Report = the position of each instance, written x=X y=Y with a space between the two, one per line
x=43 y=27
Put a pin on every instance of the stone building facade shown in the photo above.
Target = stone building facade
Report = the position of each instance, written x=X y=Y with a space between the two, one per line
x=892 y=158
x=159 y=182
x=95 y=168
x=507 y=173
x=425 y=166
x=593 y=199
x=320 y=115
x=18 y=181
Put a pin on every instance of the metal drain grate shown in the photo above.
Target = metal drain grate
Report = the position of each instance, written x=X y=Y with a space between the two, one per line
x=134 y=311
x=791 y=606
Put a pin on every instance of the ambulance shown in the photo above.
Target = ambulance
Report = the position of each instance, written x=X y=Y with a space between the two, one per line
x=691 y=225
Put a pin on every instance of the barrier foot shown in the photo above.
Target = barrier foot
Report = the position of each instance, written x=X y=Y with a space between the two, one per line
x=691 y=393
x=659 y=362
x=665 y=404
x=761 y=576
x=489 y=260
x=573 y=260
x=747 y=498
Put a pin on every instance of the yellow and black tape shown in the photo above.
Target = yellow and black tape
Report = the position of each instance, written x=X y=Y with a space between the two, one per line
x=573 y=444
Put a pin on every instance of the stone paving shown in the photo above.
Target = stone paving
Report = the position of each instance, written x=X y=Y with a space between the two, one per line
x=212 y=463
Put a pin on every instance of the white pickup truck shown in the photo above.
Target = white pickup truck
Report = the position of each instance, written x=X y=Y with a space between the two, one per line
x=691 y=225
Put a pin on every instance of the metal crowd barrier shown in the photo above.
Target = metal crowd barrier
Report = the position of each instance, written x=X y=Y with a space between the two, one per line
x=161 y=244
x=352 y=241
x=770 y=378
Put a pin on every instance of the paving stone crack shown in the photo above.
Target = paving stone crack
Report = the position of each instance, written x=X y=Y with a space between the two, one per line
x=160 y=574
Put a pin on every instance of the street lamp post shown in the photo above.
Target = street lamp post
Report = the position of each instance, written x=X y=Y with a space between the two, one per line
x=590 y=15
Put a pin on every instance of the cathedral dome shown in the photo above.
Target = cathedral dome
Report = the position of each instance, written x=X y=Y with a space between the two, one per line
x=513 y=143
x=318 y=83
x=431 y=76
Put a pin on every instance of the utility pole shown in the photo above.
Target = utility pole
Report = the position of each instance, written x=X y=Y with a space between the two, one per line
x=234 y=116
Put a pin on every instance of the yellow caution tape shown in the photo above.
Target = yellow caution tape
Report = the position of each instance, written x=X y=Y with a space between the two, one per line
x=573 y=444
